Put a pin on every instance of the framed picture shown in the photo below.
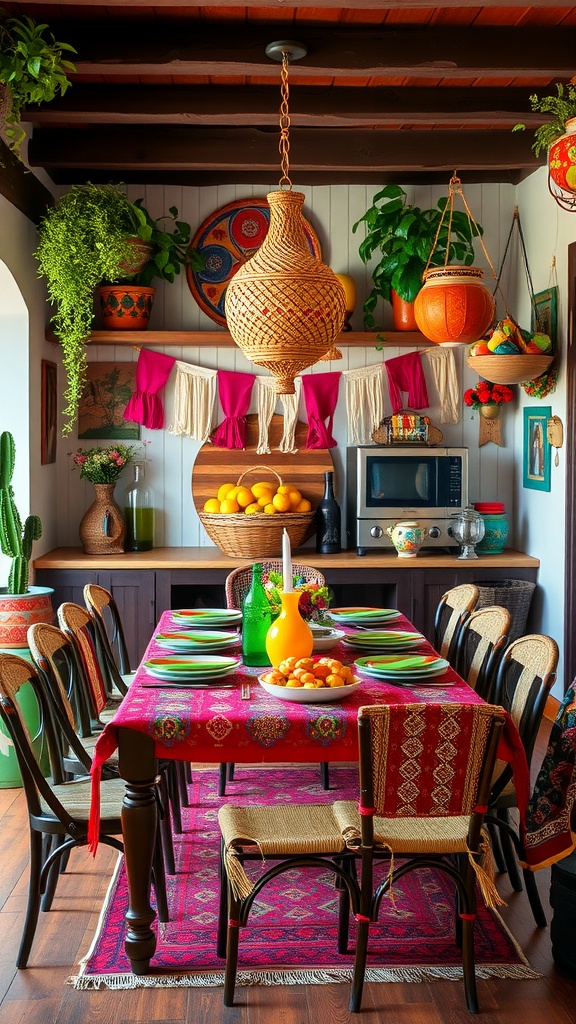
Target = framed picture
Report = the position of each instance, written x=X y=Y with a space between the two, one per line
x=537 y=456
x=109 y=387
x=545 y=314
x=48 y=412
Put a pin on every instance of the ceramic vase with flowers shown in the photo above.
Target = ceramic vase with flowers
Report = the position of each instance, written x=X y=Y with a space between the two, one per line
x=102 y=526
x=488 y=399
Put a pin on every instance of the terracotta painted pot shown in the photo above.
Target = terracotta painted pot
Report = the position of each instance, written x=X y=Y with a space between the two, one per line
x=454 y=306
x=19 y=611
x=403 y=316
x=140 y=253
x=126 y=307
x=102 y=525
x=562 y=159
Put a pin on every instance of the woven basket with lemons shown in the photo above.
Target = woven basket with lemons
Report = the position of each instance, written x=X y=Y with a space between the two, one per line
x=249 y=519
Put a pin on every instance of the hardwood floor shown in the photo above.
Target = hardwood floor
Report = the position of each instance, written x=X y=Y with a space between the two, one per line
x=39 y=994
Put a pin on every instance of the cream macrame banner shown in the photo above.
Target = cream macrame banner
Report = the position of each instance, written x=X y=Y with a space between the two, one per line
x=194 y=401
x=364 y=402
x=267 y=398
x=443 y=367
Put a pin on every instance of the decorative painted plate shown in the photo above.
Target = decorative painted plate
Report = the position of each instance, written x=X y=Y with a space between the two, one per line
x=226 y=239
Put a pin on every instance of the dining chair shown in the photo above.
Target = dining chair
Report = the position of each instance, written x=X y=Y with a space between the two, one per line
x=524 y=680
x=481 y=642
x=77 y=624
x=425 y=773
x=453 y=609
x=58 y=809
x=237 y=586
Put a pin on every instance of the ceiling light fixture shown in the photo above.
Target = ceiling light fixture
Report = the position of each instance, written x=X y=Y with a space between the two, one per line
x=284 y=307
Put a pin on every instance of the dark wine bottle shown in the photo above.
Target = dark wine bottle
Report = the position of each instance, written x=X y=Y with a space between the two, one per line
x=328 y=521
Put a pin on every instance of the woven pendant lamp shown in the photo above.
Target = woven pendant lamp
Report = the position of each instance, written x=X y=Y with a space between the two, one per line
x=284 y=307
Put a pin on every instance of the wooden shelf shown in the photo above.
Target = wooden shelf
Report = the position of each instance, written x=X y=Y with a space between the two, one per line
x=222 y=339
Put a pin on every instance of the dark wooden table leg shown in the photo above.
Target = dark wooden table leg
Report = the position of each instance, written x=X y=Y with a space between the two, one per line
x=139 y=821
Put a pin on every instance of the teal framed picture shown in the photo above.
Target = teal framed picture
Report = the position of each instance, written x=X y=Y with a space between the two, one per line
x=537 y=454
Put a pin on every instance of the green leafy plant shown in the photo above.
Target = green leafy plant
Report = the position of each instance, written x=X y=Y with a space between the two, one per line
x=32 y=70
x=562 y=106
x=405 y=236
x=15 y=540
x=170 y=248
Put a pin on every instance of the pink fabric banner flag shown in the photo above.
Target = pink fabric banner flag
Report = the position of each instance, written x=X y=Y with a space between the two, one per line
x=146 y=406
x=405 y=374
x=320 y=397
x=235 y=392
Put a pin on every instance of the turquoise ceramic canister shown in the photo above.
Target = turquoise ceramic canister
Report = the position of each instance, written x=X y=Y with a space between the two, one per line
x=495 y=535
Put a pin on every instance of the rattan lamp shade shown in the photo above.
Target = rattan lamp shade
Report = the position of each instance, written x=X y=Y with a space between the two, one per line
x=284 y=307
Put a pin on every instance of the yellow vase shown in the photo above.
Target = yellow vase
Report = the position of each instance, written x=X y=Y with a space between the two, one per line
x=289 y=635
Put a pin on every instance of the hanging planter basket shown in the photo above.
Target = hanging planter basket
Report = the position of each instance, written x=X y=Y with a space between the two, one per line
x=562 y=168
x=454 y=306
x=514 y=369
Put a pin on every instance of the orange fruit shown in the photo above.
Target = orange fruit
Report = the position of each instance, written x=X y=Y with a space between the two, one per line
x=304 y=506
x=263 y=487
x=283 y=489
x=270 y=509
x=229 y=505
x=294 y=497
x=265 y=498
x=224 y=490
x=281 y=502
x=212 y=505
x=252 y=509
x=244 y=497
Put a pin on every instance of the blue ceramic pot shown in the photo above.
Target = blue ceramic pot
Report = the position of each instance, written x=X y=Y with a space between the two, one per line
x=495 y=535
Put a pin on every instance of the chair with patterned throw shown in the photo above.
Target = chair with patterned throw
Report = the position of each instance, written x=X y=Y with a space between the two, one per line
x=447 y=752
x=453 y=609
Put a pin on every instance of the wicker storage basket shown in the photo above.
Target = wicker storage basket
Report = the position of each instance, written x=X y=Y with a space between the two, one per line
x=509 y=369
x=257 y=536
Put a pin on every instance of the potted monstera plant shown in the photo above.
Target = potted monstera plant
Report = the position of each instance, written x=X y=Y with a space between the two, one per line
x=33 y=69
x=405 y=236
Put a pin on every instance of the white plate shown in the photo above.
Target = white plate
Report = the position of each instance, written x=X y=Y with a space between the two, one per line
x=300 y=695
x=325 y=638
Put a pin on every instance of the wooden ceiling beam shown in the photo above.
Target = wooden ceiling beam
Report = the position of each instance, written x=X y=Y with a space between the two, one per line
x=383 y=5
x=309 y=106
x=242 y=149
x=199 y=48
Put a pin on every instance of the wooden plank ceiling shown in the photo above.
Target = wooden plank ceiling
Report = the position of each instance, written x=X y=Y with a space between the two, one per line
x=389 y=90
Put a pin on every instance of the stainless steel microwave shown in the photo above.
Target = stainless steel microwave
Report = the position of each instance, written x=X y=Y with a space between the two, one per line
x=387 y=484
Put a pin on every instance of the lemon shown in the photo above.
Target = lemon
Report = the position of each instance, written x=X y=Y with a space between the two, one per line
x=265 y=498
x=269 y=509
x=294 y=497
x=304 y=506
x=244 y=497
x=262 y=488
x=224 y=490
x=229 y=505
x=283 y=489
x=232 y=494
x=252 y=509
x=212 y=505
x=281 y=502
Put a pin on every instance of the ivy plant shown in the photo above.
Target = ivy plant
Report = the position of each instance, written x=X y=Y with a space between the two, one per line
x=562 y=106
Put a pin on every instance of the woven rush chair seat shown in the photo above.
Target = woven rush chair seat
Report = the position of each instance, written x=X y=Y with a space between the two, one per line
x=525 y=677
x=453 y=609
x=236 y=587
x=405 y=835
x=481 y=642
x=58 y=810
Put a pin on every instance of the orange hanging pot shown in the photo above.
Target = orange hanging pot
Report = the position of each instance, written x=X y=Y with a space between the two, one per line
x=562 y=159
x=453 y=305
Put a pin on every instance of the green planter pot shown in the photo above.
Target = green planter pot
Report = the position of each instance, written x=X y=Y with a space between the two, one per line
x=10 y=777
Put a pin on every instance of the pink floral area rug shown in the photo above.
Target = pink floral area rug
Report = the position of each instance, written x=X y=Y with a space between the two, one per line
x=291 y=933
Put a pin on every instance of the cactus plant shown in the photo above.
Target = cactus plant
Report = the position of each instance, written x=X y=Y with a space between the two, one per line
x=15 y=541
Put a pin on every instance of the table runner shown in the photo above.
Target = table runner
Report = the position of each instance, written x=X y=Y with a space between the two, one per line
x=215 y=725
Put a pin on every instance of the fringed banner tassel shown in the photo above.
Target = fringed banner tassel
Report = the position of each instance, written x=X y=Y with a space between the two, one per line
x=364 y=402
x=194 y=401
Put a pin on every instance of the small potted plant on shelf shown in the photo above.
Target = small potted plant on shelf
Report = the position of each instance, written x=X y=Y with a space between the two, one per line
x=94 y=233
x=557 y=137
x=32 y=70
x=405 y=236
x=20 y=604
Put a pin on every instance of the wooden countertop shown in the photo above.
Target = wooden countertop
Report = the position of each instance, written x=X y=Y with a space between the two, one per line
x=212 y=558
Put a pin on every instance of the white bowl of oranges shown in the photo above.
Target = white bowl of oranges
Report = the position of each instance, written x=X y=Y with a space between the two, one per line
x=249 y=520
x=310 y=680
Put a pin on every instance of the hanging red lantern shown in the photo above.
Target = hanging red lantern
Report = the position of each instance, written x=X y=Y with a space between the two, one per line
x=454 y=306
x=562 y=168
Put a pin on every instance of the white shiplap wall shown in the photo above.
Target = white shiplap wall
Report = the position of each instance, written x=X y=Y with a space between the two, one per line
x=332 y=210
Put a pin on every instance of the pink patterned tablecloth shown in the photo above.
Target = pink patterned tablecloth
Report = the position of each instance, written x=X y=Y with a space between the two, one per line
x=215 y=725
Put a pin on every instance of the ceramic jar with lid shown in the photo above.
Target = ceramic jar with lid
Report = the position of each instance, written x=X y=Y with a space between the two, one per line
x=495 y=527
x=407 y=538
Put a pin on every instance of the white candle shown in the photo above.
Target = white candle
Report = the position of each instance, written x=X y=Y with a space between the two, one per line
x=286 y=563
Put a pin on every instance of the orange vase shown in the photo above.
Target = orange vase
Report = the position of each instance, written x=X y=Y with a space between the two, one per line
x=403 y=314
x=454 y=306
x=289 y=635
x=126 y=307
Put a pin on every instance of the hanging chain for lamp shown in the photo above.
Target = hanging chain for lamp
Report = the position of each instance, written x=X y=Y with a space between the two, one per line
x=284 y=143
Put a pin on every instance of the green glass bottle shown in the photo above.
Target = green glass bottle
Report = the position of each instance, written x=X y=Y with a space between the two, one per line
x=139 y=513
x=256 y=620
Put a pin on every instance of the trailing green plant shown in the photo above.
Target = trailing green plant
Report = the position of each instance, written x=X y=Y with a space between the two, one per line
x=15 y=541
x=405 y=236
x=32 y=70
x=562 y=106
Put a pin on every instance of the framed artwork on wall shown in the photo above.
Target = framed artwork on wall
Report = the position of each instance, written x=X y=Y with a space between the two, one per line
x=536 y=455
x=545 y=314
x=109 y=387
x=48 y=412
